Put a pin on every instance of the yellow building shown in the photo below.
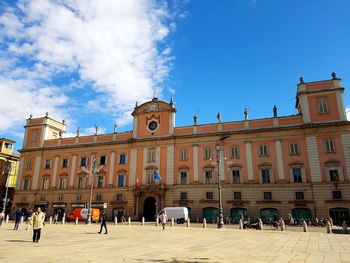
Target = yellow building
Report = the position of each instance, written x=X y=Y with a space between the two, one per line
x=9 y=163
x=298 y=164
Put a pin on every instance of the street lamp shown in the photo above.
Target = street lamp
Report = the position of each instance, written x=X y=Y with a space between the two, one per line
x=7 y=168
x=91 y=171
x=218 y=160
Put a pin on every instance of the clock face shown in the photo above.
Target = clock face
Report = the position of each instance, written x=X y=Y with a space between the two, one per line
x=152 y=125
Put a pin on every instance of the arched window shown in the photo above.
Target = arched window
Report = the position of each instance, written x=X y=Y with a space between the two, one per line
x=45 y=183
x=63 y=181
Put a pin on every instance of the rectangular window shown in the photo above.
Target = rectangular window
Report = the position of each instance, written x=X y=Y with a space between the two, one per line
x=299 y=195
x=29 y=165
x=322 y=105
x=60 y=198
x=297 y=177
x=63 y=183
x=208 y=177
x=81 y=182
x=265 y=174
x=122 y=159
x=329 y=146
x=65 y=163
x=23 y=199
x=83 y=162
x=183 y=155
x=78 y=198
x=293 y=148
x=45 y=184
x=333 y=175
x=209 y=195
x=26 y=184
x=102 y=160
x=98 y=197
x=100 y=180
x=183 y=177
x=237 y=195
x=234 y=151
x=121 y=181
x=42 y=198
x=236 y=177
x=263 y=150
x=267 y=196
x=151 y=155
x=208 y=154
x=337 y=195
x=47 y=164
x=34 y=136
x=183 y=195
x=119 y=197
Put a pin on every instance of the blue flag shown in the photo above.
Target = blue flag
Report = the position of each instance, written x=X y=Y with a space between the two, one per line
x=157 y=176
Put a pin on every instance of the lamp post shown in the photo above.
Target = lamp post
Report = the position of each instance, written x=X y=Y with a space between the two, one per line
x=218 y=160
x=91 y=171
x=9 y=170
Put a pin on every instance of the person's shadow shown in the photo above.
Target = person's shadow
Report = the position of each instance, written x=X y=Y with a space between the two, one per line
x=18 y=241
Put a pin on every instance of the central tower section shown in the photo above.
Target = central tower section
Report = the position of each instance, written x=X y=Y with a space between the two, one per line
x=154 y=118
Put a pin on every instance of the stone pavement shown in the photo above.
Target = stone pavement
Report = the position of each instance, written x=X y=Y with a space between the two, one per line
x=81 y=243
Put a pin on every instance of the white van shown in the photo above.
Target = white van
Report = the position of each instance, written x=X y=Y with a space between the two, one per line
x=180 y=214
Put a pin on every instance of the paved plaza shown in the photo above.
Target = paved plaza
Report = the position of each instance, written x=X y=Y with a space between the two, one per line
x=136 y=243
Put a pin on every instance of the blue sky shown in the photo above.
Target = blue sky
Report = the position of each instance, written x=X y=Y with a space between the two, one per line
x=90 y=61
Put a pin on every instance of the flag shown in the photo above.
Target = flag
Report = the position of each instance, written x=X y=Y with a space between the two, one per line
x=157 y=176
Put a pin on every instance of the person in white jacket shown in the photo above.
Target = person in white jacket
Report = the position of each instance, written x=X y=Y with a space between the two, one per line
x=163 y=219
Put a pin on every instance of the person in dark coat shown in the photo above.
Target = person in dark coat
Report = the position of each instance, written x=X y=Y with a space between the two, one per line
x=18 y=217
x=103 y=223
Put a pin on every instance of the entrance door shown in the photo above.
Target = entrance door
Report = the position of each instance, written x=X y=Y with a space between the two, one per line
x=149 y=209
x=60 y=212
x=339 y=215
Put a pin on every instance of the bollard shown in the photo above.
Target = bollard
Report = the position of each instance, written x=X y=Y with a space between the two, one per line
x=305 y=229
x=115 y=220
x=63 y=218
x=344 y=226
x=188 y=223
x=76 y=221
x=261 y=226
x=7 y=219
x=22 y=218
x=204 y=223
x=172 y=221
x=329 y=227
x=50 y=220
x=143 y=221
x=331 y=221
x=157 y=221
x=197 y=219
x=129 y=221
x=283 y=225
x=240 y=224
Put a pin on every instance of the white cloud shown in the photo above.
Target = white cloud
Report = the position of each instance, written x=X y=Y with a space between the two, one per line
x=119 y=48
x=348 y=113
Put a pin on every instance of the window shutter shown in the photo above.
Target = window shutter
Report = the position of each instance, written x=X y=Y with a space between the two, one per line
x=118 y=158
x=126 y=158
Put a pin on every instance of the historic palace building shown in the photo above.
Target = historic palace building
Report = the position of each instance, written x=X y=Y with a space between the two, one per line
x=9 y=163
x=297 y=164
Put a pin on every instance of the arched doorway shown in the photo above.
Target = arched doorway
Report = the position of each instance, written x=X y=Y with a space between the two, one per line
x=339 y=214
x=210 y=213
x=301 y=214
x=269 y=214
x=149 y=208
x=237 y=213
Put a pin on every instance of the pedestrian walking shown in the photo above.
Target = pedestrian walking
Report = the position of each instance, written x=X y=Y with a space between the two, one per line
x=38 y=224
x=29 y=219
x=2 y=217
x=103 y=223
x=163 y=219
x=55 y=219
x=18 y=217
